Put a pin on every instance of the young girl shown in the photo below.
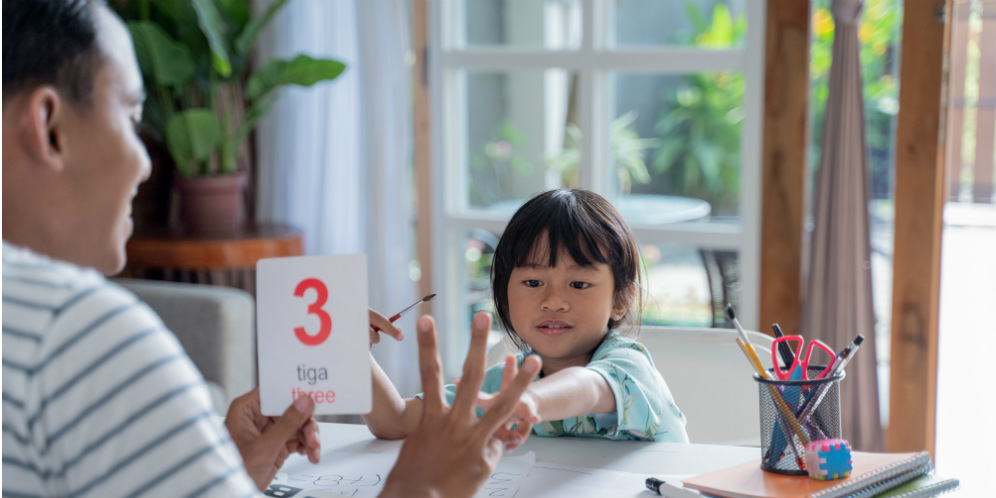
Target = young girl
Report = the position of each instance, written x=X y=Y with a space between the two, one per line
x=565 y=275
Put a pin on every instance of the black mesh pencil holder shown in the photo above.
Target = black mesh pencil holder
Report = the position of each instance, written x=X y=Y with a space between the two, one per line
x=814 y=406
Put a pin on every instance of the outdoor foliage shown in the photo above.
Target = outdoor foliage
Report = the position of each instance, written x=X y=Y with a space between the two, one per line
x=699 y=126
x=628 y=153
x=204 y=97
x=500 y=159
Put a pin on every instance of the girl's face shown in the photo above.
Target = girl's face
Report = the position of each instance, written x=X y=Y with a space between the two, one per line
x=562 y=312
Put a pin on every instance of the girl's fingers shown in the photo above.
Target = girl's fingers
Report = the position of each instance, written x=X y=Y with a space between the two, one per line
x=508 y=399
x=380 y=324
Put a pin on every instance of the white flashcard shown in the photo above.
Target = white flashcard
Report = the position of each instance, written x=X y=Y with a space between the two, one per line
x=312 y=322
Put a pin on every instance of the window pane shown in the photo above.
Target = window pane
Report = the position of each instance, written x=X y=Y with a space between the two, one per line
x=711 y=24
x=678 y=136
x=688 y=286
x=516 y=134
x=546 y=24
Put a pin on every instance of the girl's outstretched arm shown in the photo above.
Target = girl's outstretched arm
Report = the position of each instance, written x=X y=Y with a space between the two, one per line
x=571 y=392
x=392 y=417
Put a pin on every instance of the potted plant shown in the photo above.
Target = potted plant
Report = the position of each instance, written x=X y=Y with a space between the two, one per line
x=205 y=97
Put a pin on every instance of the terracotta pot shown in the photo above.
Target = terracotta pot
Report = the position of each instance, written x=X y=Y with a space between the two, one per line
x=212 y=204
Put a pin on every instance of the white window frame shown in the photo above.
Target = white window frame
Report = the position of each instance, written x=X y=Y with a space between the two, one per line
x=594 y=61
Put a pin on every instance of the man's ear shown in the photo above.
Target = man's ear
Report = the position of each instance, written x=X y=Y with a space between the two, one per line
x=43 y=131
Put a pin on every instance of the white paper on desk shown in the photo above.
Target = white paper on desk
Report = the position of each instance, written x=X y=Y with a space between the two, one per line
x=363 y=475
x=554 y=481
x=312 y=319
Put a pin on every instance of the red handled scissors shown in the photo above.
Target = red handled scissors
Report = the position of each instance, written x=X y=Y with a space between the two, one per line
x=796 y=343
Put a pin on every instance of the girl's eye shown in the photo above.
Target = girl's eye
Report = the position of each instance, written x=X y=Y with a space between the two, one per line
x=532 y=283
x=580 y=285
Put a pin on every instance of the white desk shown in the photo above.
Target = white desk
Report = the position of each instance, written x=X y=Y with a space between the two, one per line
x=633 y=461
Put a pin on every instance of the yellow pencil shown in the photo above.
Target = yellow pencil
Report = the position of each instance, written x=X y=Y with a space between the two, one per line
x=787 y=414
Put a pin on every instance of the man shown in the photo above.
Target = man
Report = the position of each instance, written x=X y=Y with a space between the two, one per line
x=98 y=396
x=99 y=399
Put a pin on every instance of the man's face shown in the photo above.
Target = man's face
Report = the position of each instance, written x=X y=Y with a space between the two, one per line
x=105 y=159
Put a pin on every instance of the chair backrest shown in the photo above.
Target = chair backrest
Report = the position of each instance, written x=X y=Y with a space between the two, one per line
x=711 y=380
x=215 y=325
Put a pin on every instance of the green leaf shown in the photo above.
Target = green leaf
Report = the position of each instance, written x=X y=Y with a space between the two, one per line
x=163 y=60
x=209 y=19
x=256 y=111
x=302 y=70
x=191 y=137
x=246 y=39
x=236 y=11
x=173 y=10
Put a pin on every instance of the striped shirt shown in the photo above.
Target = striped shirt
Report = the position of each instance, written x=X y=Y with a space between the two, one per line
x=99 y=398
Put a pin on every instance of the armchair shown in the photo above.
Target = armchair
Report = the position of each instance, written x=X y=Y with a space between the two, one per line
x=215 y=325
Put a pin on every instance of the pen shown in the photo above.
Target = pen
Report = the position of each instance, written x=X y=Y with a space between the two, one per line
x=838 y=367
x=783 y=349
x=846 y=354
x=670 y=491
x=402 y=312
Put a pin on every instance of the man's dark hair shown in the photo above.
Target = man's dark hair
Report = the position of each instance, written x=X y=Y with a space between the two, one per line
x=50 y=42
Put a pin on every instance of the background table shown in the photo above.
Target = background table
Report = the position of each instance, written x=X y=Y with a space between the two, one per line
x=223 y=259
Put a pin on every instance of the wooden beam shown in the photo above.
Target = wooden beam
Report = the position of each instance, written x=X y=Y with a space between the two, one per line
x=786 y=98
x=920 y=190
x=422 y=164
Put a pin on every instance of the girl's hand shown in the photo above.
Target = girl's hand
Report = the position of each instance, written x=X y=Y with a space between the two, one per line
x=380 y=324
x=524 y=414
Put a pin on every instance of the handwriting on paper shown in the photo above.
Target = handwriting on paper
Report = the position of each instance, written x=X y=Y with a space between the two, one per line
x=362 y=476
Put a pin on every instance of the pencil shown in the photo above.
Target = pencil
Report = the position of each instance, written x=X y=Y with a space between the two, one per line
x=788 y=415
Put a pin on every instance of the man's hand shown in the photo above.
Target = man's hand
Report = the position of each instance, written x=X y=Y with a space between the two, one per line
x=451 y=452
x=524 y=413
x=265 y=442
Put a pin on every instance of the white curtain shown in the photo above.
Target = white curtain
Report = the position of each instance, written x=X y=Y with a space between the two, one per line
x=334 y=159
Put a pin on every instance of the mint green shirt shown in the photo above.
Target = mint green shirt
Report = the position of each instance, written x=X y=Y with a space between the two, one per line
x=645 y=409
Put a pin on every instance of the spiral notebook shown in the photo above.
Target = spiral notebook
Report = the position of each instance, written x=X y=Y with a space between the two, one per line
x=873 y=473
x=925 y=486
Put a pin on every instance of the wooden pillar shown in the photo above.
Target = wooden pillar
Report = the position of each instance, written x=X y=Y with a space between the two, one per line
x=920 y=195
x=422 y=164
x=783 y=164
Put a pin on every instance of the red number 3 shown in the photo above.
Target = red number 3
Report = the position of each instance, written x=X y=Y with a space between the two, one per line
x=314 y=308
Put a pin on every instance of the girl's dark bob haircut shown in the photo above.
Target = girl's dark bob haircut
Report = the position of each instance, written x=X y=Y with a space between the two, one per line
x=577 y=221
